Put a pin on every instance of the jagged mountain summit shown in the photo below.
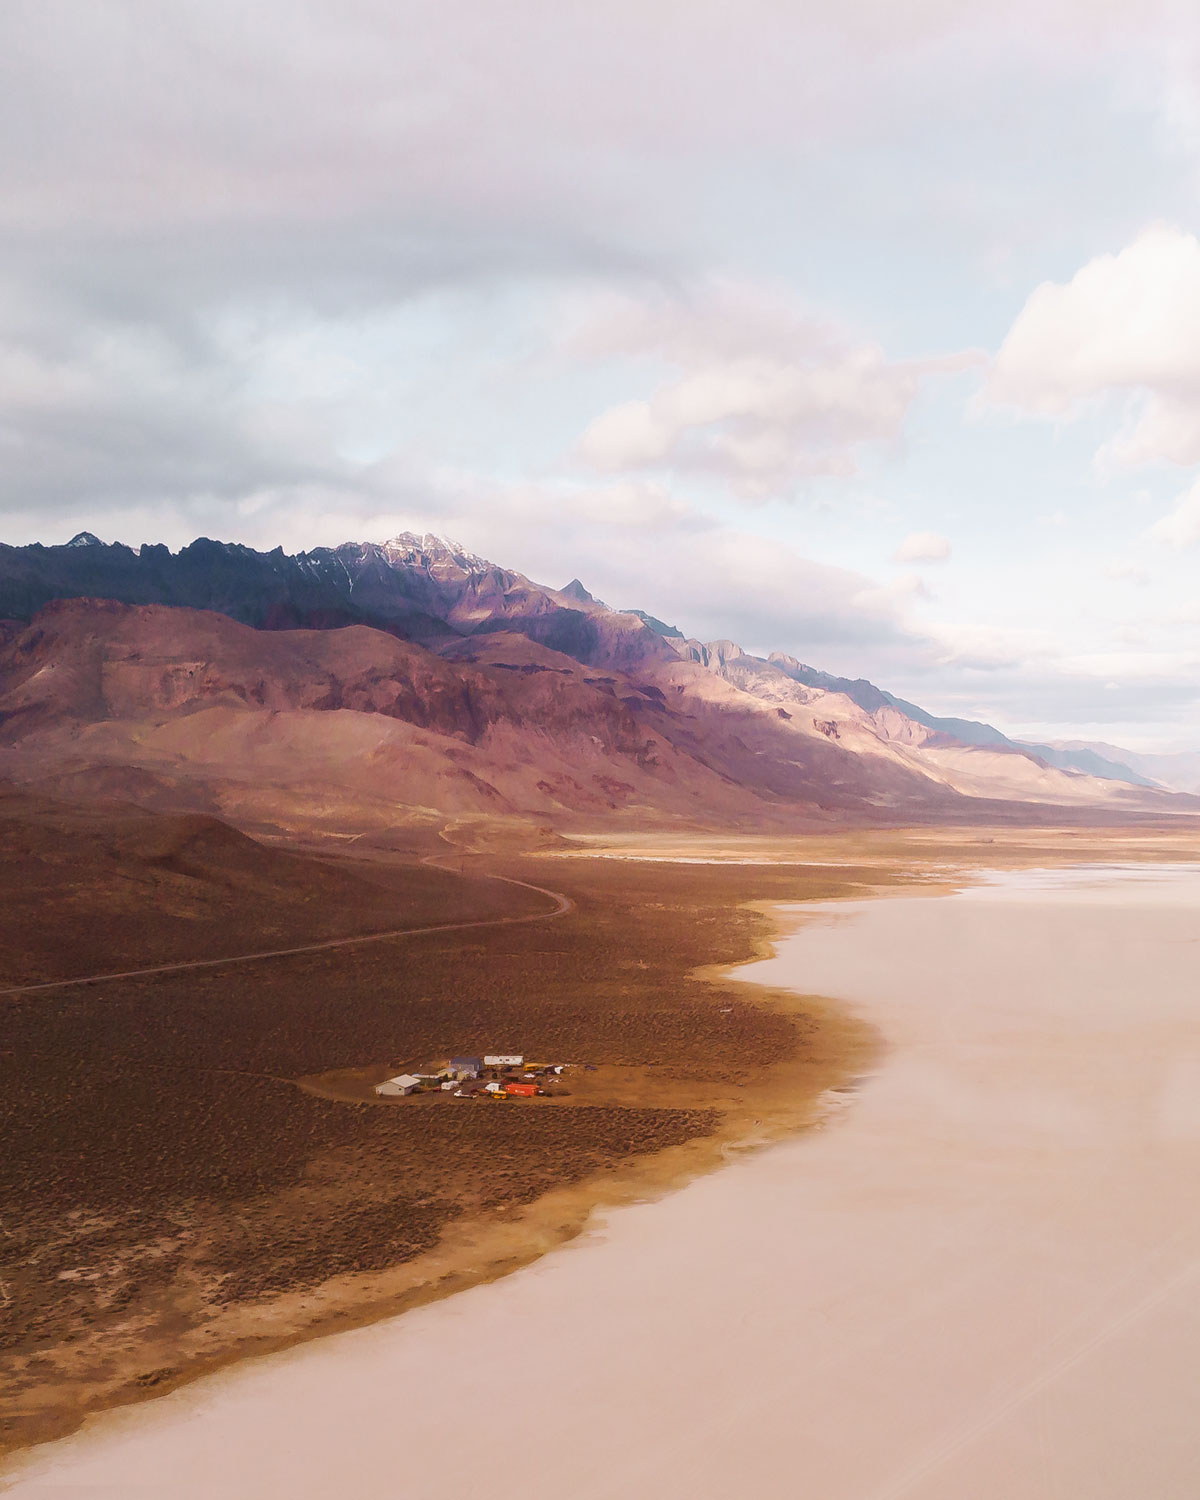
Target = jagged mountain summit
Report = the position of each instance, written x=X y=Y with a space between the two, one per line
x=420 y=588
x=414 y=678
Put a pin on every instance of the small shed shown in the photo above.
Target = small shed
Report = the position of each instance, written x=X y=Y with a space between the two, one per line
x=466 y=1067
x=403 y=1083
x=505 y=1060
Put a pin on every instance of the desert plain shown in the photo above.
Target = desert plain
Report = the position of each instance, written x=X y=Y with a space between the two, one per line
x=196 y=1166
x=207 y=1178
x=976 y=1275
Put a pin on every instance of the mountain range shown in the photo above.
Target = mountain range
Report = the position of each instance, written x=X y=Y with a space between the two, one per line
x=369 y=685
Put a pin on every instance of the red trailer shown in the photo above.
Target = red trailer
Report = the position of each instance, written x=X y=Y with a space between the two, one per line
x=521 y=1090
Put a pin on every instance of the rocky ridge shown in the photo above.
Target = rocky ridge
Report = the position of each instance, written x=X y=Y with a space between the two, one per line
x=417 y=674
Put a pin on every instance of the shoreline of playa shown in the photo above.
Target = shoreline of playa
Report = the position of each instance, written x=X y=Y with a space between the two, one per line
x=785 y=1098
x=560 y=1215
x=977 y=1250
x=968 y=1279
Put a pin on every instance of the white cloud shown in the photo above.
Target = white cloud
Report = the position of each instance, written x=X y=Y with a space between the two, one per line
x=992 y=648
x=1130 y=664
x=765 y=393
x=627 y=505
x=1180 y=527
x=758 y=423
x=1127 y=572
x=1128 y=324
x=891 y=596
x=923 y=546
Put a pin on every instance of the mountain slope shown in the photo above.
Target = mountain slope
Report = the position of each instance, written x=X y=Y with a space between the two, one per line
x=232 y=718
x=1178 y=771
x=1102 y=761
x=172 y=707
x=350 y=713
x=858 y=714
x=415 y=675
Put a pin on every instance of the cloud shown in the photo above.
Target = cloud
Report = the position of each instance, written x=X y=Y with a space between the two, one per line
x=764 y=394
x=1127 y=324
x=923 y=546
x=891 y=595
x=289 y=273
x=976 y=647
x=724 y=583
x=1127 y=572
x=315 y=109
x=759 y=424
x=116 y=413
x=561 y=507
x=192 y=193
x=1180 y=527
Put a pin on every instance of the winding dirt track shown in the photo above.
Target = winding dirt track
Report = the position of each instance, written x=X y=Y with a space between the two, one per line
x=562 y=905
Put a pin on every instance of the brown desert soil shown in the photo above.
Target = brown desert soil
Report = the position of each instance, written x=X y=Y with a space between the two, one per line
x=195 y=1167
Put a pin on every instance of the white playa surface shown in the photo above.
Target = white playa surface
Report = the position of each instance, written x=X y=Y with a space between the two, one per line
x=982 y=1280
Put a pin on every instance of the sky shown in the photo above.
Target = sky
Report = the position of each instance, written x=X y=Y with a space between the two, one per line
x=869 y=333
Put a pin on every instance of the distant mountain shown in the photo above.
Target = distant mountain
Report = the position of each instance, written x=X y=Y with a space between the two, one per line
x=232 y=679
x=1103 y=761
x=672 y=632
x=1179 y=771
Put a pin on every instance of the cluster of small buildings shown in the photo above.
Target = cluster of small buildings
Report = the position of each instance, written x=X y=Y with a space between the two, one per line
x=502 y=1075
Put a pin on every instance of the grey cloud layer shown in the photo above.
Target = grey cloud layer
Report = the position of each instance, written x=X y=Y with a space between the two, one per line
x=165 y=166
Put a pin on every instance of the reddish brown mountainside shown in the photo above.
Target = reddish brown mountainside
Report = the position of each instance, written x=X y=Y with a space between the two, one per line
x=786 y=732
x=234 y=718
x=353 y=728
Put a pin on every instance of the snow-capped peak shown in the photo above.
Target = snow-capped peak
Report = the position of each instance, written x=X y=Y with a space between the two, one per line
x=408 y=547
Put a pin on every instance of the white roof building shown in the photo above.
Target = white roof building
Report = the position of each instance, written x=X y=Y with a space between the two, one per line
x=403 y=1083
x=505 y=1060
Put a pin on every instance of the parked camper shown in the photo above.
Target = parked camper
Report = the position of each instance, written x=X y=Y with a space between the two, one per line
x=505 y=1060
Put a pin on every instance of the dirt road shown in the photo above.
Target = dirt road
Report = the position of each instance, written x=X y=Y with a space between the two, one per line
x=562 y=905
